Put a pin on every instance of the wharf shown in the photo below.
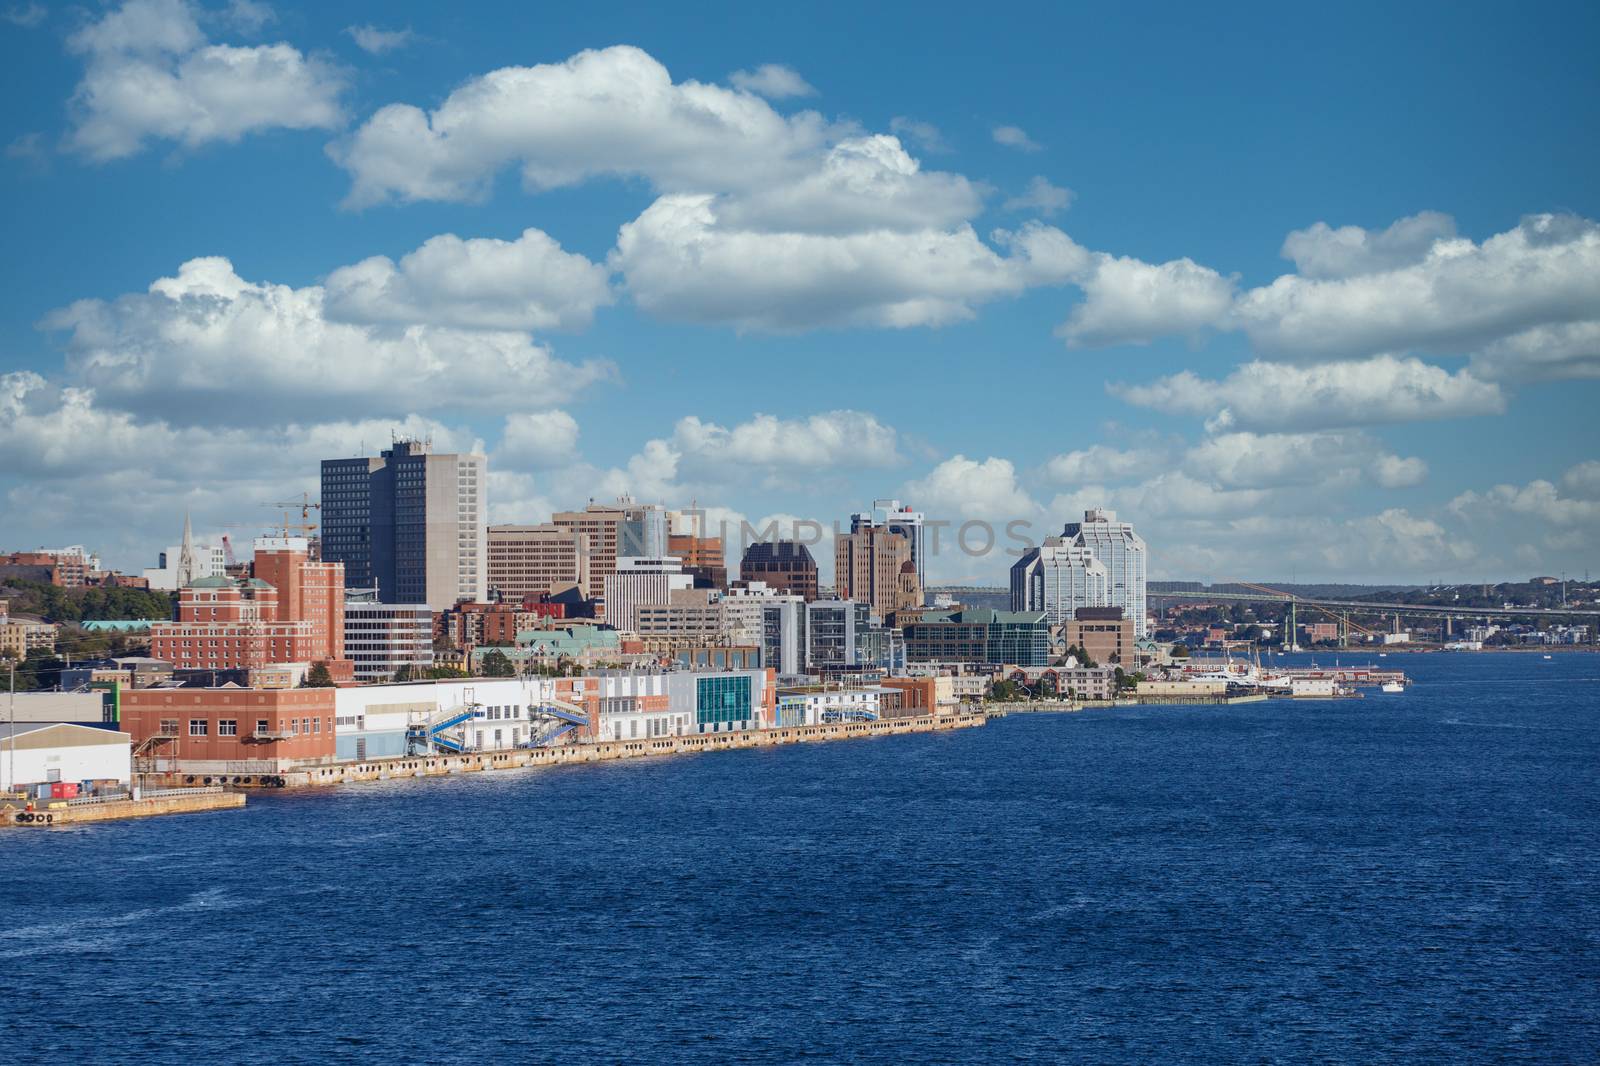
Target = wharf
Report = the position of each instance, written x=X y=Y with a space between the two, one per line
x=149 y=805
x=602 y=751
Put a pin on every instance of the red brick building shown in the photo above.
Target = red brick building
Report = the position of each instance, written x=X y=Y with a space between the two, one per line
x=292 y=611
x=227 y=729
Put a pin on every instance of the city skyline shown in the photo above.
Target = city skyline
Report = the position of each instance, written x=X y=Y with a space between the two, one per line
x=1313 y=319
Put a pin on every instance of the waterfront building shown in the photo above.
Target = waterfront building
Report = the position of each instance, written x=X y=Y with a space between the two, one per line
x=1098 y=683
x=409 y=523
x=836 y=635
x=536 y=560
x=783 y=565
x=869 y=562
x=817 y=706
x=37 y=753
x=230 y=730
x=1103 y=633
x=640 y=580
x=980 y=635
x=294 y=613
x=1058 y=577
x=381 y=639
x=1123 y=552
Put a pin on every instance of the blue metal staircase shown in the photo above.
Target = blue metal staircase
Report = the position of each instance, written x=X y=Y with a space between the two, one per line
x=441 y=731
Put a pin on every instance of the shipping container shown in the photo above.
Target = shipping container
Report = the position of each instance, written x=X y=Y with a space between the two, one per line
x=63 y=790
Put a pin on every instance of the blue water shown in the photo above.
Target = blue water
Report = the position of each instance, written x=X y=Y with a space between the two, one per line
x=1404 y=878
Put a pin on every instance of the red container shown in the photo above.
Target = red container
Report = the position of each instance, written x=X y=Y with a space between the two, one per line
x=63 y=790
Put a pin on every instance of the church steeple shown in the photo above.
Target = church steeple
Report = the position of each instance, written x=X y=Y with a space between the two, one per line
x=186 y=562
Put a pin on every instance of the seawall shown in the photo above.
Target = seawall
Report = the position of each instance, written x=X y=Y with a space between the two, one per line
x=602 y=751
x=78 y=814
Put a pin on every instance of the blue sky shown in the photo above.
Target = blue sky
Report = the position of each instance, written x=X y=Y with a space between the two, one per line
x=1309 y=294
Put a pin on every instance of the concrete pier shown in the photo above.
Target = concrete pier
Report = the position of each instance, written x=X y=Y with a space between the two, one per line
x=600 y=751
x=78 y=814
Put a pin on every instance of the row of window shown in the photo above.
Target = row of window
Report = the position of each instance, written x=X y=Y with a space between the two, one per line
x=229 y=727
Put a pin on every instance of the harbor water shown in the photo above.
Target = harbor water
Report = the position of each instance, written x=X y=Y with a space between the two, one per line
x=1409 y=877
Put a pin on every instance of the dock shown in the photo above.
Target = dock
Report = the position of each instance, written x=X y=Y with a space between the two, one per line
x=151 y=803
x=440 y=765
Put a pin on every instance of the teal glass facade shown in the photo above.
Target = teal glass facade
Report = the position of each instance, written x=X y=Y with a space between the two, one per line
x=722 y=699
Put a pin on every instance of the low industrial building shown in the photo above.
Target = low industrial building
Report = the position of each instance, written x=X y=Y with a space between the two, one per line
x=35 y=753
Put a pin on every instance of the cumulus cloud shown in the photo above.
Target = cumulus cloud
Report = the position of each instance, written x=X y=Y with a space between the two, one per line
x=1583 y=480
x=375 y=41
x=681 y=262
x=1262 y=395
x=530 y=283
x=536 y=439
x=1015 y=137
x=1100 y=463
x=1322 y=252
x=1396 y=472
x=1128 y=301
x=1457 y=296
x=833 y=438
x=1042 y=197
x=152 y=74
x=964 y=488
x=1537 y=499
x=208 y=345
x=772 y=80
x=612 y=112
x=1569 y=350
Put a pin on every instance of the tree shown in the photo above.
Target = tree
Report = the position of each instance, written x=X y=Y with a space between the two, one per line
x=319 y=676
x=1180 y=651
x=495 y=663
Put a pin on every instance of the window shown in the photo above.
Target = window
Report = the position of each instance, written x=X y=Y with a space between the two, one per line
x=169 y=727
x=316 y=725
x=263 y=726
x=227 y=727
x=197 y=727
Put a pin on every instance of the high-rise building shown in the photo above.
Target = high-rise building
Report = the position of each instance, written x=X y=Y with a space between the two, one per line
x=409 y=523
x=536 y=561
x=1058 y=577
x=900 y=518
x=1123 y=552
x=643 y=533
x=837 y=634
x=701 y=558
x=869 y=562
x=784 y=565
x=639 y=581
x=601 y=527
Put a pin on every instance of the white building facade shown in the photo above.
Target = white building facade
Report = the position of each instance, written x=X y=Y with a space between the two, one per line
x=1123 y=552
x=1058 y=577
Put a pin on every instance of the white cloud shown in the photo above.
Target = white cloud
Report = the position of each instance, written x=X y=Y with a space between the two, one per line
x=248 y=16
x=772 y=80
x=1042 y=197
x=28 y=16
x=1569 y=350
x=1583 y=480
x=1394 y=472
x=207 y=345
x=613 y=112
x=965 y=488
x=536 y=439
x=1323 y=252
x=1538 y=499
x=526 y=284
x=375 y=41
x=152 y=74
x=1458 y=296
x=1100 y=462
x=833 y=438
x=1128 y=301
x=1015 y=137
x=925 y=135
x=1263 y=395
x=681 y=262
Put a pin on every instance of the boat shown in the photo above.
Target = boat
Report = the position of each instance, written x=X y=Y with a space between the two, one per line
x=1393 y=687
x=1547 y=656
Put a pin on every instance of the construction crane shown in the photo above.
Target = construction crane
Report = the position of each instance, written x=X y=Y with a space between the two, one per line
x=305 y=505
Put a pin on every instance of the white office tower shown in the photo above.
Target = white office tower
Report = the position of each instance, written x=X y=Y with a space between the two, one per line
x=382 y=639
x=639 y=580
x=901 y=519
x=1058 y=577
x=1123 y=552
